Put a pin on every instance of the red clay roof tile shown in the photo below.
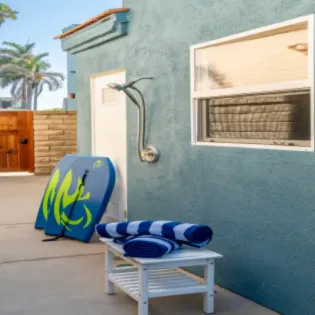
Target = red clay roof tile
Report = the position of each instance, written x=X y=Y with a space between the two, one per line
x=91 y=21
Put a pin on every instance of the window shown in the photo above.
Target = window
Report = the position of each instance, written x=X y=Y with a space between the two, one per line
x=255 y=89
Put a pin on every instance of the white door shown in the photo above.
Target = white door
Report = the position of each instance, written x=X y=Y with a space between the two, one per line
x=109 y=136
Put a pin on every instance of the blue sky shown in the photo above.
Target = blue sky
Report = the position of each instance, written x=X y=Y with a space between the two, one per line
x=39 y=21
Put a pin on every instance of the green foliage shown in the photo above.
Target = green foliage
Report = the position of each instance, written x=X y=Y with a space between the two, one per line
x=26 y=73
x=6 y=13
x=56 y=109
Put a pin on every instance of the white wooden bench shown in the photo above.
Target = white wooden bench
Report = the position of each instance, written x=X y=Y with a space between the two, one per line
x=150 y=278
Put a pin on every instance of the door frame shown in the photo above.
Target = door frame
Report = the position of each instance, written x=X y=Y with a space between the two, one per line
x=31 y=153
x=93 y=142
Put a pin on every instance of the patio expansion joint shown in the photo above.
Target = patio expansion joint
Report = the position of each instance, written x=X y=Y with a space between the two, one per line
x=13 y=224
x=49 y=258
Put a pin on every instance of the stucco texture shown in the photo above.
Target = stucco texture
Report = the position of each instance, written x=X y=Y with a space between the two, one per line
x=260 y=203
x=71 y=73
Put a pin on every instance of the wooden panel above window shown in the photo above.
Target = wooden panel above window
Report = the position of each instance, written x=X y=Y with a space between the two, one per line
x=269 y=57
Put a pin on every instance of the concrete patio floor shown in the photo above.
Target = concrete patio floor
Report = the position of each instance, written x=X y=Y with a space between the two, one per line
x=66 y=277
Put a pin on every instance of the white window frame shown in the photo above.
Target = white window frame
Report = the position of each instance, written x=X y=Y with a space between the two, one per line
x=274 y=87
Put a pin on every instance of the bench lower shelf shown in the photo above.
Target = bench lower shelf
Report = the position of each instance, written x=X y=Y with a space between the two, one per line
x=162 y=282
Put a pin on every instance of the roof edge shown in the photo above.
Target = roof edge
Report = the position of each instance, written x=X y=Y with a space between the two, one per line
x=91 y=21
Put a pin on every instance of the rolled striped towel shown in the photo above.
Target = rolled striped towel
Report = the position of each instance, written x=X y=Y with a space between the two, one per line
x=147 y=246
x=194 y=235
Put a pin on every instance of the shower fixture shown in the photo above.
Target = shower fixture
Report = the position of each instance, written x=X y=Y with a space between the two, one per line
x=146 y=153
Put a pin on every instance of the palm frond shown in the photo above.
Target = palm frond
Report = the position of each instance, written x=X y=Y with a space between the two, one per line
x=28 y=48
x=7 y=13
x=25 y=72
x=52 y=82
x=9 y=52
x=15 y=53
x=43 y=66
x=5 y=82
x=14 y=70
x=37 y=66
x=40 y=88
x=16 y=89
x=7 y=78
x=57 y=75
x=50 y=85
x=21 y=49
x=40 y=56
x=10 y=76
x=18 y=47
x=5 y=60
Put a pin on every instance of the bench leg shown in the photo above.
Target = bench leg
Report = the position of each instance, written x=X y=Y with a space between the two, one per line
x=208 y=299
x=143 y=287
x=109 y=266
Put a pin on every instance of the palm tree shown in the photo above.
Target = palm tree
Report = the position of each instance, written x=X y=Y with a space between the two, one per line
x=26 y=73
x=14 y=59
x=16 y=54
x=6 y=13
x=50 y=79
x=42 y=78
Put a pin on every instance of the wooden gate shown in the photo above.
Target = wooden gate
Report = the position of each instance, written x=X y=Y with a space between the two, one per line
x=16 y=141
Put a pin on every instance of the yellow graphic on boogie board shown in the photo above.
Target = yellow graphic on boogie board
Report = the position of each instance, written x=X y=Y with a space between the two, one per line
x=98 y=164
x=60 y=199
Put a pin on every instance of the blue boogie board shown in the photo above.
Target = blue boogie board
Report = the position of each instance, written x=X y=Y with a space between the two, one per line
x=74 y=210
x=59 y=172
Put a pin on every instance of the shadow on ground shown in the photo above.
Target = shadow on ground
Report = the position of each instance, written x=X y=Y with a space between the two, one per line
x=66 y=276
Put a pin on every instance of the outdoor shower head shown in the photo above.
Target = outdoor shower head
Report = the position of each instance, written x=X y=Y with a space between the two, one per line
x=146 y=153
x=130 y=84
x=120 y=87
x=116 y=86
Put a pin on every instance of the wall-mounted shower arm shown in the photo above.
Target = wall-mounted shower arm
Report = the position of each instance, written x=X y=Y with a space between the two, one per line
x=146 y=153
x=130 y=84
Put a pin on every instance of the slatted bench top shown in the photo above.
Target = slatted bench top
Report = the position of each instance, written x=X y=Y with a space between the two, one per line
x=184 y=254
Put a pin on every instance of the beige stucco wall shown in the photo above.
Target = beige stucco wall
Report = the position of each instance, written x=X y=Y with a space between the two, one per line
x=54 y=136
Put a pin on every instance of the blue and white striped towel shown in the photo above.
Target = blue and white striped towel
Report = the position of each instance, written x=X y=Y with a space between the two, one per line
x=194 y=235
x=147 y=246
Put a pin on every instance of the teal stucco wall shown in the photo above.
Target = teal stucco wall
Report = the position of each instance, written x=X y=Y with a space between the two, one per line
x=71 y=74
x=260 y=203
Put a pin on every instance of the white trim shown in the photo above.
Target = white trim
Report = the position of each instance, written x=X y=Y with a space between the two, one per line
x=193 y=112
x=93 y=78
x=256 y=31
x=254 y=146
x=253 y=89
x=311 y=73
x=92 y=88
x=195 y=120
x=273 y=87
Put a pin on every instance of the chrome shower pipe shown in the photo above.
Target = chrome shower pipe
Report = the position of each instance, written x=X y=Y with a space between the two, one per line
x=145 y=153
